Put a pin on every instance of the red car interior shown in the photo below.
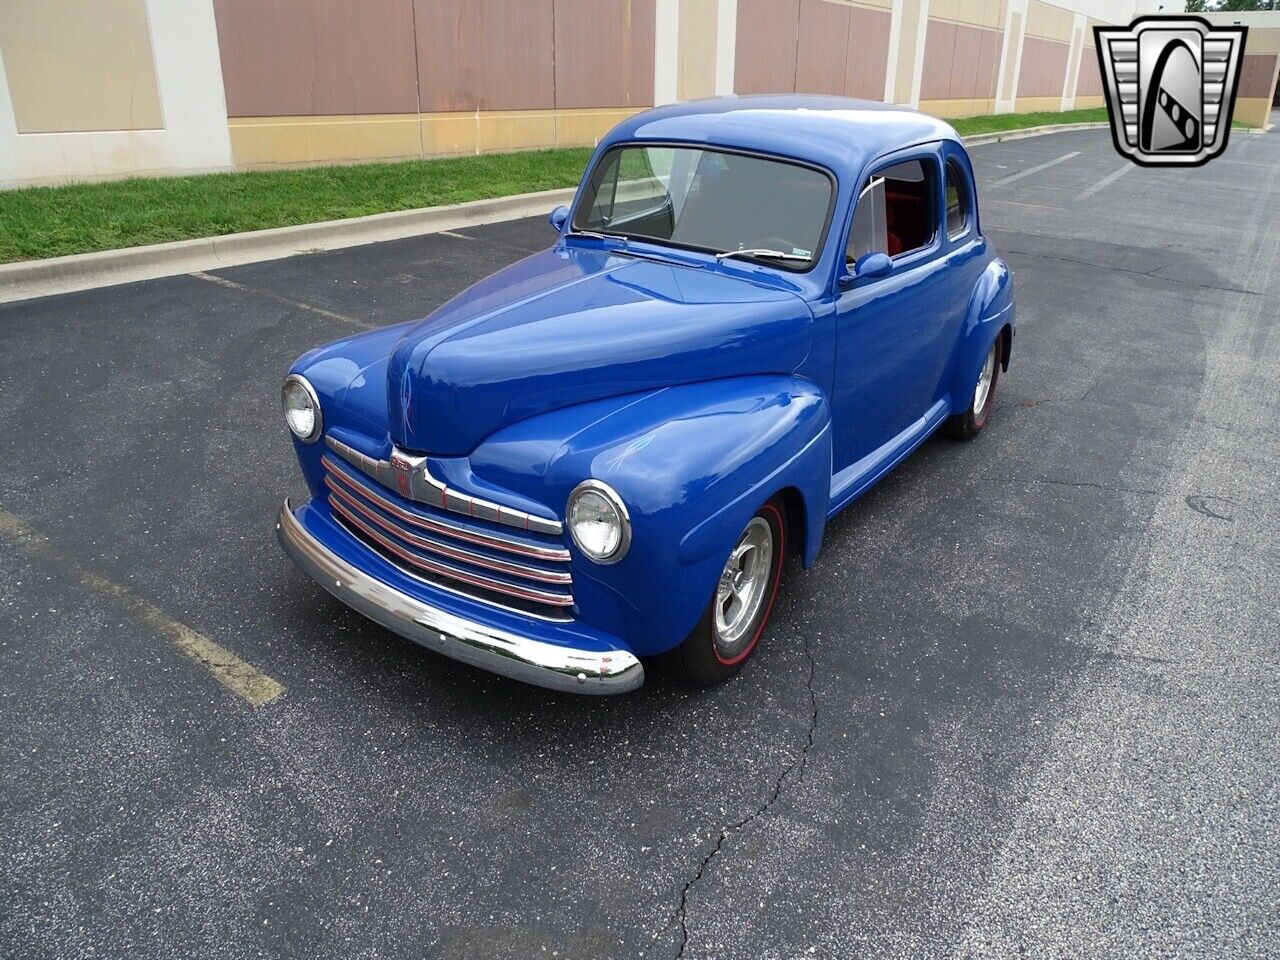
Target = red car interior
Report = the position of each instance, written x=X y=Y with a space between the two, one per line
x=907 y=217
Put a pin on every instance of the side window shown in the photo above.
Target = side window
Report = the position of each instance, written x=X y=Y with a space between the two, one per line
x=868 y=234
x=896 y=211
x=957 y=201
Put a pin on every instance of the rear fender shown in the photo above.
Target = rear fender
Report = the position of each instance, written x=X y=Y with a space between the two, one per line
x=989 y=311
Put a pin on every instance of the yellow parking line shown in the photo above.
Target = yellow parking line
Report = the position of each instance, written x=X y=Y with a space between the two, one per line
x=239 y=677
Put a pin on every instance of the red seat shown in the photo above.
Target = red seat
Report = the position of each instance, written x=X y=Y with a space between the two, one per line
x=906 y=217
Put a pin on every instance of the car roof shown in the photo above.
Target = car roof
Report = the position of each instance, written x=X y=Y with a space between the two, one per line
x=840 y=133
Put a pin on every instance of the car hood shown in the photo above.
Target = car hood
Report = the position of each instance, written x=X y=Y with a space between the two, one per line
x=567 y=326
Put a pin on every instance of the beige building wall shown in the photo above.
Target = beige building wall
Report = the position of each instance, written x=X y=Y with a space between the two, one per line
x=107 y=87
x=1256 y=94
x=79 y=65
x=91 y=89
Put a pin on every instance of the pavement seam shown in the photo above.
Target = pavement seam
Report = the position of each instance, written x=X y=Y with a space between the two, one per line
x=800 y=763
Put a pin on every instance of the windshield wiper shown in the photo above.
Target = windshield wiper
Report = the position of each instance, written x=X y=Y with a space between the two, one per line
x=761 y=252
x=597 y=236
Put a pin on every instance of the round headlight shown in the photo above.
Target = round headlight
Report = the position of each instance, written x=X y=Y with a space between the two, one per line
x=598 y=522
x=301 y=408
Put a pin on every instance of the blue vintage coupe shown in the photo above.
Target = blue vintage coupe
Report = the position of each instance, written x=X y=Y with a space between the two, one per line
x=754 y=309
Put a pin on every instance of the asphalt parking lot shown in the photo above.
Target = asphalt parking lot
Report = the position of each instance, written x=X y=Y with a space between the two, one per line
x=1026 y=702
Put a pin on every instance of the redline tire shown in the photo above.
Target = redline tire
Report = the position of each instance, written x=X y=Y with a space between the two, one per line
x=967 y=425
x=702 y=658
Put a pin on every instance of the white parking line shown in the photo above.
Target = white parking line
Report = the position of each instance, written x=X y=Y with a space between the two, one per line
x=298 y=304
x=1018 y=203
x=1106 y=181
x=1030 y=170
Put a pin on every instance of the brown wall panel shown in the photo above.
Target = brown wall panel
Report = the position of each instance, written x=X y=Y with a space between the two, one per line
x=1089 y=80
x=822 y=48
x=1256 y=74
x=960 y=62
x=964 y=65
x=939 y=57
x=485 y=54
x=868 y=56
x=984 y=81
x=765 y=54
x=604 y=53
x=316 y=57
x=1044 y=67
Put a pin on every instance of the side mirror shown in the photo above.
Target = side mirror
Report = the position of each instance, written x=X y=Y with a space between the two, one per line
x=558 y=217
x=872 y=265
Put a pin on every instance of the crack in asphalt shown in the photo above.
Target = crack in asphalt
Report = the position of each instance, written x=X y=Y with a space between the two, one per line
x=800 y=763
x=1026 y=404
x=1144 y=491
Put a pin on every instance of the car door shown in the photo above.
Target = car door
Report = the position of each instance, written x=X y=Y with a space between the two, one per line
x=888 y=327
x=967 y=253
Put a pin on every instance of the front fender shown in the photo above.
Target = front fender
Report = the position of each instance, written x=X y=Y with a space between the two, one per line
x=990 y=310
x=692 y=463
x=349 y=377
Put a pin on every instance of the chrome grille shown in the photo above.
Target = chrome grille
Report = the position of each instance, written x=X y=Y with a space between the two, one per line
x=528 y=573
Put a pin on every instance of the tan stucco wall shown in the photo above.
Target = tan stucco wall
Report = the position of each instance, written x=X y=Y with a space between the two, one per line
x=79 y=65
x=281 y=141
x=696 y=76
x=912 y=21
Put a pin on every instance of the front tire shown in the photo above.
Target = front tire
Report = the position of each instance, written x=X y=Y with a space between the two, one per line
x=731 y=626
x=967 y=425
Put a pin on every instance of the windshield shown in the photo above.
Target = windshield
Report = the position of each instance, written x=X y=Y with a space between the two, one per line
x=709 y=200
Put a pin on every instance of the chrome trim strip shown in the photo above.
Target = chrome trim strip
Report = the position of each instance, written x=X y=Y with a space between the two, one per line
x=410 y=477
x=549 y=614
x=442 y=526
x=509 y=567
x=444 y=570
x=532 y=661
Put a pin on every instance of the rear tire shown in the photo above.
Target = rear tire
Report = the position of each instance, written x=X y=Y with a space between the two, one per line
x=736 y=616
x=967 y=425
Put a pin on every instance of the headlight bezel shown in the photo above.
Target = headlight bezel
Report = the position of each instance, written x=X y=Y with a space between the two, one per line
x=610 y=496
x=318 y=427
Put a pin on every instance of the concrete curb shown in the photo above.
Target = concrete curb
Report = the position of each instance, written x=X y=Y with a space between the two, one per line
x=978 y=139
x=87 y=271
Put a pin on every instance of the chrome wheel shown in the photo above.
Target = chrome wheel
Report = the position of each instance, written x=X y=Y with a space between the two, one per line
x=982 y=392
x=744 y=581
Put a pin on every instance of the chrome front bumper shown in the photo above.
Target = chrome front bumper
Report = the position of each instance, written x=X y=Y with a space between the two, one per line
x=498 y=651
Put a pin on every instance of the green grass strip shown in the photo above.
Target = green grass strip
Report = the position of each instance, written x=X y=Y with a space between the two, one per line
x=1000 y=122
x=39 y=222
